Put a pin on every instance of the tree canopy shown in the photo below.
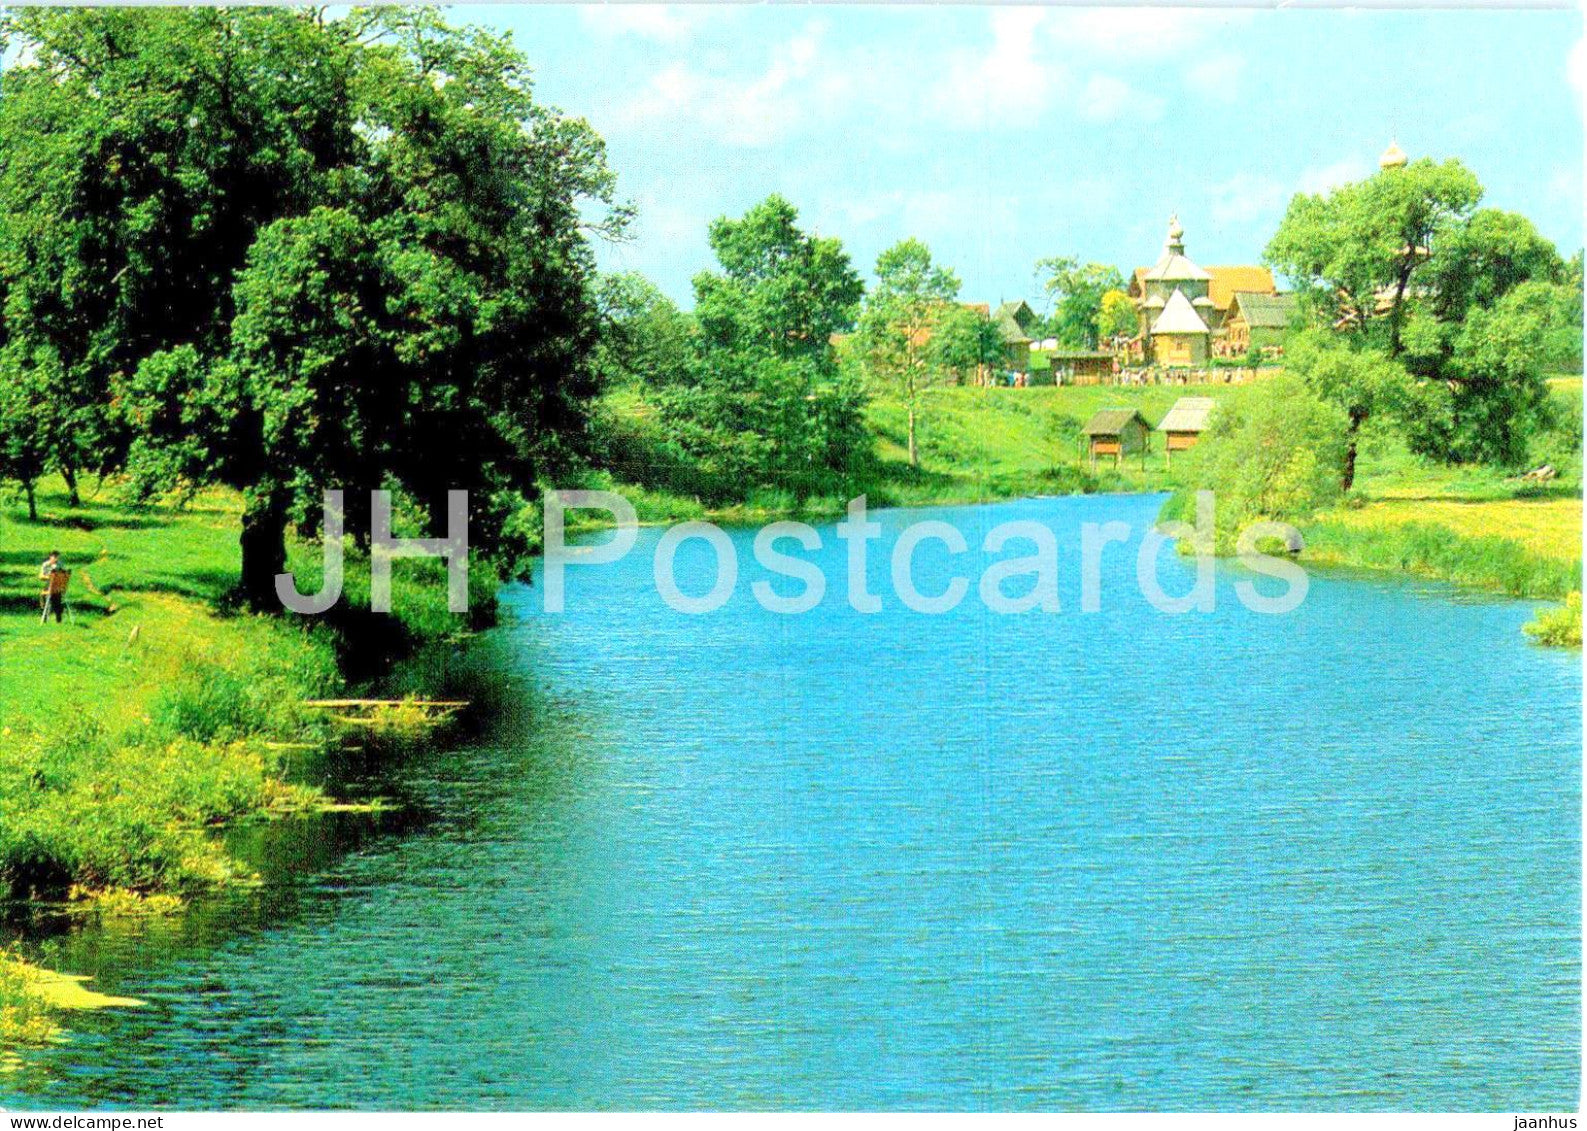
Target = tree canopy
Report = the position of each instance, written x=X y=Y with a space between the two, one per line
x=904 y=314
x=288 y=253
x=764 y=401
x=1448 y=312
x=1077 y=291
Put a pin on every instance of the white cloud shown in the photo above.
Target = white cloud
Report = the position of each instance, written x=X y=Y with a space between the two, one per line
x=1109 y=99
x=1217 y=77
x=1006 y=83
x=1321 y=178
x=1258 y=197
x=1248 y=196
x=663 y=23
x=1044 y=58
x=749 y=110
x=1118 y=34
x=1565 y=186
x=1035 y=65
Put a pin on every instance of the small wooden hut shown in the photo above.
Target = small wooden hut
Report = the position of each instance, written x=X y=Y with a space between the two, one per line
x=1118 y=432
x=1184 y=424
x=1081 y=367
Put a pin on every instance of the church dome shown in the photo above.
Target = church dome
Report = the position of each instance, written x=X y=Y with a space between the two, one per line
x=1393 y=157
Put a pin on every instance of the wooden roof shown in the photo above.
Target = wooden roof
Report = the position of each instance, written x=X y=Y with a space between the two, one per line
x=1189 y=414
x=1222 y=285
x=1112 y=421
x=1008 y=326
x=1226 y=281
x=1268 y=312
x=1179 y=317
x=1078 y=355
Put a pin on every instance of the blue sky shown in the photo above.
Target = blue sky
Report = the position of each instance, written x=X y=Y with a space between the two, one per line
x=1003 y=134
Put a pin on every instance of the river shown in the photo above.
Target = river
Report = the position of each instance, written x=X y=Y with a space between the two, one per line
x=1329 y=859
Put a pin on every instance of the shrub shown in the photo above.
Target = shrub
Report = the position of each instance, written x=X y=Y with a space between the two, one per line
x=1561 y=627
x=1276 y=454
x=206 y=704
x=23 y=1018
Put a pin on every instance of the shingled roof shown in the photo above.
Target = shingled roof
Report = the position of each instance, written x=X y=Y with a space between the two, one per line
x=1008 y=326
x=1179 y=317
x=1111 y=421
x=1227 y=281
x=1264 y=311
x=1189 y=414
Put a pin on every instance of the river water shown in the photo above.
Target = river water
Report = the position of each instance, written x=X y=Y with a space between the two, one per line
x=1329 y=859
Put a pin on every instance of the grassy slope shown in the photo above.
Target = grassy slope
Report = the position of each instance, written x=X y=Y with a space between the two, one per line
x=1474 y=526
x=143 y=593
x=975 y=445
x=1470 y=525
x=151 y=713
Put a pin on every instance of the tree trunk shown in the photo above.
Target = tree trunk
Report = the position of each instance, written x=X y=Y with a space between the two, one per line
x=33 y=503
x=1396 y=316
x=69 y=474
x=264 y=546
x=1348 y=480
x=913 y=462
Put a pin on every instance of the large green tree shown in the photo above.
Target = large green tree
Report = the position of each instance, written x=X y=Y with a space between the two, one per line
x=645 y=339
x=764 y=402
x=902 y=315
x=1359 y=381
x=1076 y=290
x=1448 y=312
x=965 y=342
x=1358 y=248
x=1116 y=317
x=290 y=253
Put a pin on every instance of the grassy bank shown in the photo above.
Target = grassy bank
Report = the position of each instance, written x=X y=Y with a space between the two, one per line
x=1473 y=526
x=158 y=713
x=975 y=445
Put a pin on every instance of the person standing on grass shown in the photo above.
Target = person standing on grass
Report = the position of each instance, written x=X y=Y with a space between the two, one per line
x=52 y=600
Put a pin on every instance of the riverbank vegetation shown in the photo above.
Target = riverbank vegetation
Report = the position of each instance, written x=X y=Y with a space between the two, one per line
x=160 y=709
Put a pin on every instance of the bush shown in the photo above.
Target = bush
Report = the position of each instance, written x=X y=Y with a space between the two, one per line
x=23 y=1017
x=206 y=704
x=1561 y=627
x=1275 y=455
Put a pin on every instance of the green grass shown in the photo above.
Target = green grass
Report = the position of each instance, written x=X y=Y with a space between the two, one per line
x=1478 y=526
x=1427 y=549
x=975 y=445
x=154 y=714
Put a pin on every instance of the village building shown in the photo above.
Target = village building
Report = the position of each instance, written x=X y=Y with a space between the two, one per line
x=1015 y=322
x=1183 y=306
x=1184 y=424
x=1117 y=432
x=1020 y=314
x=1081 y=367
x=1256 y=320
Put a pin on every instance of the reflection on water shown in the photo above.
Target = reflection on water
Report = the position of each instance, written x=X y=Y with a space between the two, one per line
x=1069 y=861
